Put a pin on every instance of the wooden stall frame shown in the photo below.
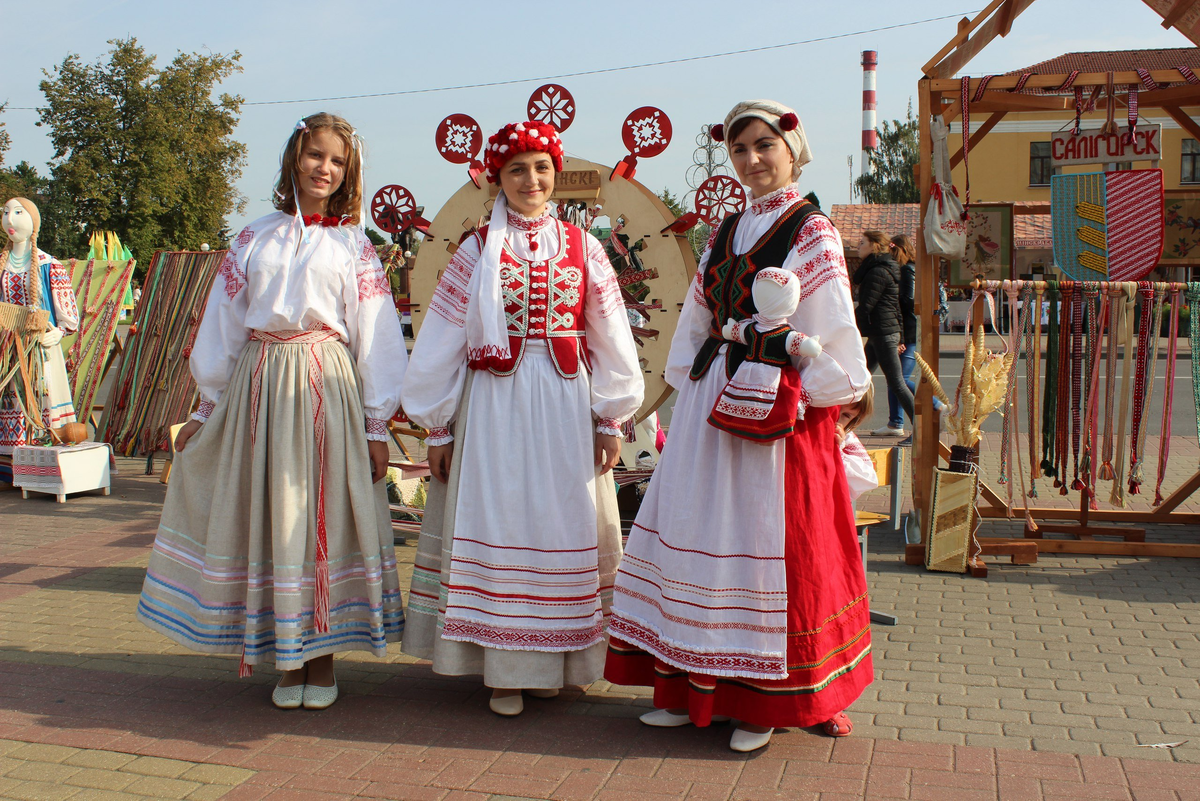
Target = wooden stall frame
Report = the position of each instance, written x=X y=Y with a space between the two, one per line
x=939 y=92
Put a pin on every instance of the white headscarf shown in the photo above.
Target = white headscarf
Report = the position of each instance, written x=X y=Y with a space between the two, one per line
x=770 y=112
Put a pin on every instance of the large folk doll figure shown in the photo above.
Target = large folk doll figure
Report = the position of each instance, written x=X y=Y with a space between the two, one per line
x=274 y=543
x=523 y=372
x=742 y=594
x=29 y=277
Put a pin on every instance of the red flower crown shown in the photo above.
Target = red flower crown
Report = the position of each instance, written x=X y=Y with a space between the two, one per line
x=521 y=137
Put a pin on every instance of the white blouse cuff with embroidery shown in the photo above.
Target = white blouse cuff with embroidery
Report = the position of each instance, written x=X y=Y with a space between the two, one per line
x=377 y=430
x=609 y=425
x=204 y=410
x=439 y=436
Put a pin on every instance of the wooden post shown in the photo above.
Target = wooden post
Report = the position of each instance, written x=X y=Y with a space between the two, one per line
x=925 y=438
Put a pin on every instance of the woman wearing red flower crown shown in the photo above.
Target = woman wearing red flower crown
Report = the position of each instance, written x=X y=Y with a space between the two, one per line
x=274 y=544
x=523 y=373
x=742 y=594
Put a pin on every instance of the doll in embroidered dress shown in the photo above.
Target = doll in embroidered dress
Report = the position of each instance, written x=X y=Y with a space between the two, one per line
x=524 y=372
x=276 y=541
x=764 y=399
x=30 y=277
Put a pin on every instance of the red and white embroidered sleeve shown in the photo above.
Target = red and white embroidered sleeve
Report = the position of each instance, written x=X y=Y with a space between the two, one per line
x=377 y=430
x=606 y=292
x=821 y=259
x=609 y=425
x=204 y=410
x=372 y=280
x=451 y=297
x=66 y=312
x=439 y=435
x=232 y=274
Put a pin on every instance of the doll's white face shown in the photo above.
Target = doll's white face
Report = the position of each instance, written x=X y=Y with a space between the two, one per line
x=16 y=221
x=776 y=293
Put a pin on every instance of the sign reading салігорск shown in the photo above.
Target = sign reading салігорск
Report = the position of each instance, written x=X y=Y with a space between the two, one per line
x=1093 y=147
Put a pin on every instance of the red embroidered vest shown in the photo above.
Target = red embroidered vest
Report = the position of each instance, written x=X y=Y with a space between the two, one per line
x=544 y=300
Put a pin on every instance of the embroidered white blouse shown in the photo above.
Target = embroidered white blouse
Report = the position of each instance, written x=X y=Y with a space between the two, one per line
x=439 y=359
x=839 y=375
x=273 y=280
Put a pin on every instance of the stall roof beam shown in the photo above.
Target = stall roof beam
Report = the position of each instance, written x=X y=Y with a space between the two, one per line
x=995 y=20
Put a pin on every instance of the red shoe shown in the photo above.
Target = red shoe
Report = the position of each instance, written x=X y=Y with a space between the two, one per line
x=839 y=725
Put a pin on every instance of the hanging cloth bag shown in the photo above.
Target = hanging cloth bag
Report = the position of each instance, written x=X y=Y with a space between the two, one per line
x=945 y=226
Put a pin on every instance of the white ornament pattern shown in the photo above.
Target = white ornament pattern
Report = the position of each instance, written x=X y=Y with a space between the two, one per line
x=459 y=138
x=646 y=132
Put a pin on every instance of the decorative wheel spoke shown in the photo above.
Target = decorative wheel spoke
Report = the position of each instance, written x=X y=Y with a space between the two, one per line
x=393 y=208
x=719 y=197
x=552 y=104
x=646 y=132
x=459 y=139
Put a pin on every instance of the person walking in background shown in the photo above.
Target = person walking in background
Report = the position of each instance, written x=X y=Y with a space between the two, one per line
x=879 y=319
x=905 y=255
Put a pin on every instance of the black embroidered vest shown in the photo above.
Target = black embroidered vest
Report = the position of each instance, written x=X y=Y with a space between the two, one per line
x=729 y=279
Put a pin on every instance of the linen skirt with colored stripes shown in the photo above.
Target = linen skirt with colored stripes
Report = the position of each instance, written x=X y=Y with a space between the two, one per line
x=233 y=566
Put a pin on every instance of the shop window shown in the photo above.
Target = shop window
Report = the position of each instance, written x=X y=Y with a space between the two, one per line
x=1189 y=170
x=1040 y=168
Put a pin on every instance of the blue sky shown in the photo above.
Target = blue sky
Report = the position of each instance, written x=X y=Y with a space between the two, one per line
x=304 y=49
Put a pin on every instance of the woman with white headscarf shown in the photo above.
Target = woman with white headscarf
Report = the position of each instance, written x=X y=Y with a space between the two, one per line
x=523 y=372
x=741 y=593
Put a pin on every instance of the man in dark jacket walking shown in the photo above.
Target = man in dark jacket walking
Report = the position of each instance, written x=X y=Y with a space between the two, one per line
x=878 y=313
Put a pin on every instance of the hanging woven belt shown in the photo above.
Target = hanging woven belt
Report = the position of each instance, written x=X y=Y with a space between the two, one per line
x=1115 y=308
x=1145 y=391
x=1091 y=436
x=1049 y=415
x=1117 y=495
x=1193 y=295
x=1164 y=444
x=1077 y=360
x=1033 y=350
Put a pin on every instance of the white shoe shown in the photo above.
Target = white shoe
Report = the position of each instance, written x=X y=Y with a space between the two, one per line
x=745 y=741
x=317 y=697
x=288 y=697
x=509 y=706
x=543 y=693
x=888 y=431
x=666 y=719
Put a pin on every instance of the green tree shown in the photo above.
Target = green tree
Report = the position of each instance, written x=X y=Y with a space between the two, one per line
x=812 y=198
x=376 y=238
x=143 y=151
x=892 y=163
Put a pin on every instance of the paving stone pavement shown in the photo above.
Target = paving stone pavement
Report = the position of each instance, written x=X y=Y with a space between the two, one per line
x=1039 y=682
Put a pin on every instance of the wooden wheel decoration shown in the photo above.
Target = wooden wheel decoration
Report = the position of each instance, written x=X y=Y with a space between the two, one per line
x=393 y=209
x=458 y=140
x=552 y=104
x=646 y=132
x=718 y=197
x=653 y=270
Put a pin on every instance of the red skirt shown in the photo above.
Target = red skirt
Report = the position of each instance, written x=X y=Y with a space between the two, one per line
x=829 y=620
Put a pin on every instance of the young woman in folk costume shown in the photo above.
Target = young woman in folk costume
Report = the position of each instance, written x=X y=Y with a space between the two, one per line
x=523 y=372
x=741 y=593
x=275 y=543
x=29 y=277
